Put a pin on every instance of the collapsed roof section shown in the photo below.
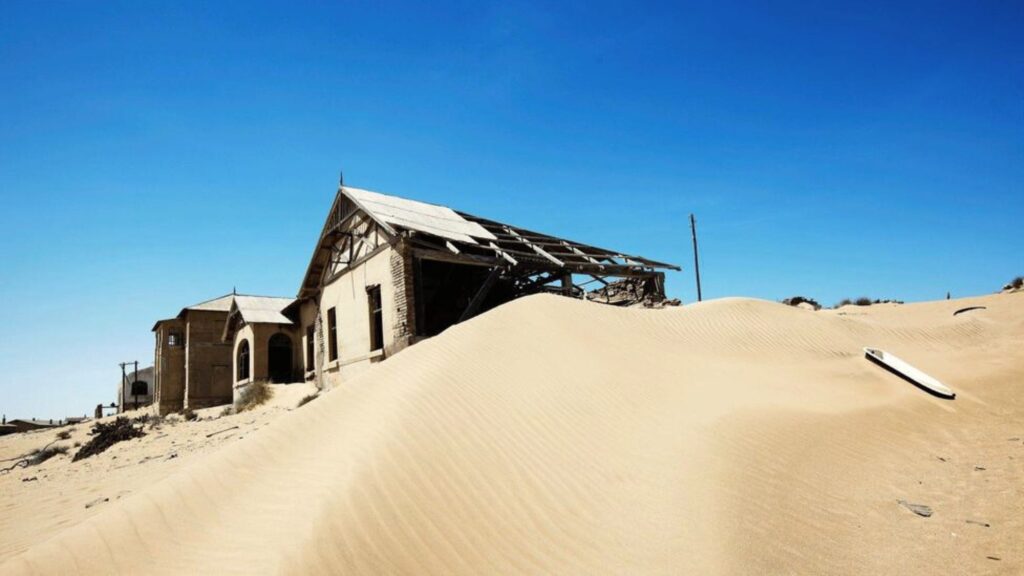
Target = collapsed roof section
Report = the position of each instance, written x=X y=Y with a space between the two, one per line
x=533 y=261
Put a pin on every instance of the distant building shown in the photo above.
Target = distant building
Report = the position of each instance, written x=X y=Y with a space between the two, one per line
x=136 y=390
x=29 y=424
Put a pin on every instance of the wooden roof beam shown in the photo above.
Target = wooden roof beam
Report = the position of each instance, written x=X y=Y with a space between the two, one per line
x=535 y=248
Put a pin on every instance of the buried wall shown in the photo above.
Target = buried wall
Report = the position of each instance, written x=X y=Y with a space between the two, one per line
x=353 y=334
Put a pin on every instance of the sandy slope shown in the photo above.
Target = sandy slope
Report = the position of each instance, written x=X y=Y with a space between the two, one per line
x=38 y=501
x=556 y=436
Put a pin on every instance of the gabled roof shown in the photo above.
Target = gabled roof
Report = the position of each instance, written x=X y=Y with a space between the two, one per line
x=256 y=310
x=433 y=219
x=465 y=232
x=219 y=304
x=261 y=309
x=226 y=302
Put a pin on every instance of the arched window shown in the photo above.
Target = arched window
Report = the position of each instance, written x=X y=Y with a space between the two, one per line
x=243 y=361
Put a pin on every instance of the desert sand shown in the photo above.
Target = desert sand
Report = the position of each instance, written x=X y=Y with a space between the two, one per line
x=553 y=436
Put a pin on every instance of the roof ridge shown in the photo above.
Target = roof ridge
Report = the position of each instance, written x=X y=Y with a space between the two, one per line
x=208 y=301
x=397 y=196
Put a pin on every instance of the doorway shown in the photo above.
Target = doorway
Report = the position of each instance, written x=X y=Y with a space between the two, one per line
x=279 y=358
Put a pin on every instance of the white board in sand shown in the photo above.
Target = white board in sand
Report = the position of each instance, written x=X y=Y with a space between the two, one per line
x=904 y=369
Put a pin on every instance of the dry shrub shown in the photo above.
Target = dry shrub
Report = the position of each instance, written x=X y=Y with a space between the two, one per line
x=1015 y=284
x=307 y=399
x=64 y=434
x=253 y=395
x=227 y=411
x=106 y=434
x=798 y=300
x=189 y=415
x=44 y=454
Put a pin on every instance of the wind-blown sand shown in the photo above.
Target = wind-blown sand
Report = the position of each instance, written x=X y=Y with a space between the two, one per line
x=558 y=436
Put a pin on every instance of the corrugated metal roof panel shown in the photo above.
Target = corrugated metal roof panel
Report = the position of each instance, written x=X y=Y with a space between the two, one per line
x=263 y=309
x=430 y=218
x=222 y=304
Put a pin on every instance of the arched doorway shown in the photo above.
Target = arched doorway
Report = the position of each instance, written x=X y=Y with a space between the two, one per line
x=279 y=358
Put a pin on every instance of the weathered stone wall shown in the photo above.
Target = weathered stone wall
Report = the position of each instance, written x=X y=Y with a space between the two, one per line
x=404 y=306
x=208 y=363
x=347 y=295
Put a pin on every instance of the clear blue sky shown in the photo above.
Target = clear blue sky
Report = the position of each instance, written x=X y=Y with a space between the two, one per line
x=153 y=156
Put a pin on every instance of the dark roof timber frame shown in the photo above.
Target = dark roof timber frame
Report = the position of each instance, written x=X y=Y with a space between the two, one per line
x=532 y=259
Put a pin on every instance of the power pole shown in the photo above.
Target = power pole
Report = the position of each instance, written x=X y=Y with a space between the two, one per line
x=135 y=379
x=696 y=263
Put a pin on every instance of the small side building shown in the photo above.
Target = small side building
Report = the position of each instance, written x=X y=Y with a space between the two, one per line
x=264 y=341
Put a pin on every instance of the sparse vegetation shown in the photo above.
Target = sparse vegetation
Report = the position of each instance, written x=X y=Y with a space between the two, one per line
x=865 y=301
x=1015 y=284
x=37 y=456
x=64 y=434
x=307 y=399
x=798 y=300
x=106 y=434
x=44 y=454
x=189 y=415
x=253 y=395
x=227 y=411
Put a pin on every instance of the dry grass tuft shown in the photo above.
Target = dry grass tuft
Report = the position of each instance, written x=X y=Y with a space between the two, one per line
x=253 y=395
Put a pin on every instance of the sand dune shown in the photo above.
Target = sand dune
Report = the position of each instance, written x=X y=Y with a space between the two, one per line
x=558 y=436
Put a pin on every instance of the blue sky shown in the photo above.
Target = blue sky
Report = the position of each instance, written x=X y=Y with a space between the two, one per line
x=153 y=156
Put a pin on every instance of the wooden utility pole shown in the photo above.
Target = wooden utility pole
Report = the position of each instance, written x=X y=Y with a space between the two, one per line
x=696 y=263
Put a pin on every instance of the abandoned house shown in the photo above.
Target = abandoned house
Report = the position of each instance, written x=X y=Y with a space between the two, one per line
x=386 y=272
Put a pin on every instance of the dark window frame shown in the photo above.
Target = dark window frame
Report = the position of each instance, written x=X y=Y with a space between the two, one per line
x=243 y=361
x=310 y=348
x=332 y=334
x=375 y=306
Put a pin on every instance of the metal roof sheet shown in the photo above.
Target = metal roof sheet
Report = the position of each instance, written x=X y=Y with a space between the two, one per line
x=263 y=309
x=222 y=304
x=413 y=215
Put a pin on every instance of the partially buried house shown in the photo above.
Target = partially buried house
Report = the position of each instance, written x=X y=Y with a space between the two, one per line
x=386 y=272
